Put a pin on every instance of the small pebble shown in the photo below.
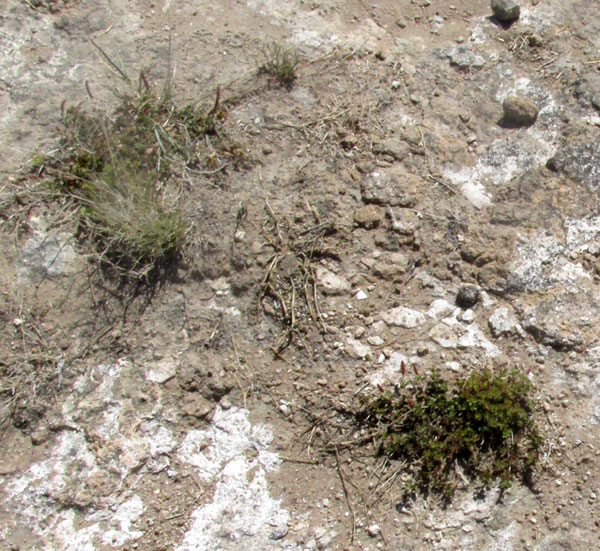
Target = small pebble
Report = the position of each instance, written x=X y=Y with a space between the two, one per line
x=278 y=532
x=360 y=295
x=505 y=10
x=467 y=296
x=519 y=111
x=225 y=403
x=374 y=530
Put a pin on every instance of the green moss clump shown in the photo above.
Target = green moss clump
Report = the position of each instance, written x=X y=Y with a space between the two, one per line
x=481 y=425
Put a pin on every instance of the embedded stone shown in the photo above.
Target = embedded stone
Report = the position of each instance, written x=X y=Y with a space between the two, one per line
x=331 y=283
x=519 y=111
x=368 y=216
x=467 y=296
x=403 y=317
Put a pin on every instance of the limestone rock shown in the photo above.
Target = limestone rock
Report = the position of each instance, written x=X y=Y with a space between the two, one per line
x=454 y=335
x=356 y=349
x=403 y=317
x=391 y=266
x=439 y=307
x=331 y=283
x=503 y=322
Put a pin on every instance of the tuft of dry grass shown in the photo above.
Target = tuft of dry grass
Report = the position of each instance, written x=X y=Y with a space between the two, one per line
x=124 y=175
x=280 y=64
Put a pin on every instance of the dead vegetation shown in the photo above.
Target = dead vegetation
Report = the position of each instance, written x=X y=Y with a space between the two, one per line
x=120 y=183
x=50 y=6
x=288 y=290
x=35 y=366
x=125 y=176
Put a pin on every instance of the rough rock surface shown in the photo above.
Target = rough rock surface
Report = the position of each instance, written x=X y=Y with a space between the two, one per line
x=327 y=247
x=503 y=322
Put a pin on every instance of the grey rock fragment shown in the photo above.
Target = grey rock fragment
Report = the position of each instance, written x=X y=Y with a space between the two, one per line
x=463 y=58
x=541 y=323
x=374 y=530
x=47 y=255
x=324 y=538
x=552 y=336
x=382 y=189
x=197 y=406
x=40 y=435
x=279 y=532
x=519 y=111
x=467 y=296
x=580 y=162
x=395 y=148
x=505 y=10
x=403 y=223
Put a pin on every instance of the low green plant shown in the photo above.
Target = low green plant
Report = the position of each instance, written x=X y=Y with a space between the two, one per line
x=482 y=425
x=280 y=64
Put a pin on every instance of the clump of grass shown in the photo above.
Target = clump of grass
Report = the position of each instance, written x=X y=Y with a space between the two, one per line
x=481 y=425
x=52 y=6
x=124 y=173
x=133 y=227
x=280 y=64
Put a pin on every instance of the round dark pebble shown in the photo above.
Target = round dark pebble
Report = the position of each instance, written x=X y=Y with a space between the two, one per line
x=467 y=296
x=505 y=10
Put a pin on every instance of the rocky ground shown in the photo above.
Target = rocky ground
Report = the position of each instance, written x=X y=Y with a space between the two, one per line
x=416 y=213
